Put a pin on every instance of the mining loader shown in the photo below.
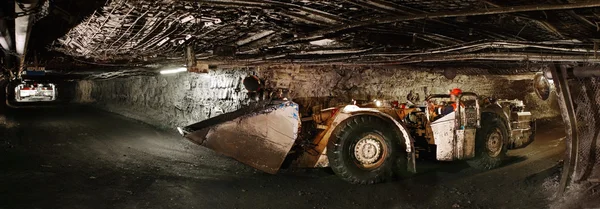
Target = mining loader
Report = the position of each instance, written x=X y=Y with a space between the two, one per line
x=368 y=142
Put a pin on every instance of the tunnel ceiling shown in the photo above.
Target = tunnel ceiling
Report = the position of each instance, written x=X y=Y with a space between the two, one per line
x=361 y=32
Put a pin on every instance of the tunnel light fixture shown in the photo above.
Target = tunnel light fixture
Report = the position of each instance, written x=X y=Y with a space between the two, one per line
x=187 y=19
x=180 y=130
x=323 y=42
x=172 y=71
x=163 y=41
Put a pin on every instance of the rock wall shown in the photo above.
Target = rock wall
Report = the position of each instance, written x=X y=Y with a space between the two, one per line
x=332 y=85
x=171 y=100
x=83 y=95
x=175 y=100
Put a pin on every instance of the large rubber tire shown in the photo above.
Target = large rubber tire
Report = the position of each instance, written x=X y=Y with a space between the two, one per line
x=491 y=143
x=342 y=155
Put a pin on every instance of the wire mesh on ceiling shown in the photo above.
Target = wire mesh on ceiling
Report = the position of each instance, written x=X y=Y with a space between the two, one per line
x=258 y=31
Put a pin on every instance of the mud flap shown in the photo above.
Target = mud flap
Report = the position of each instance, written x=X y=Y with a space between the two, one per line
x=260 y=138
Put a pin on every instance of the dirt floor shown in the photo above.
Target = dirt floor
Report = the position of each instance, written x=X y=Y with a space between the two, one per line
x=79 y=157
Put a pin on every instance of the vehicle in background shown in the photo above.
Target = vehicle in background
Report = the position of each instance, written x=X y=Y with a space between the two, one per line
x=29 y=91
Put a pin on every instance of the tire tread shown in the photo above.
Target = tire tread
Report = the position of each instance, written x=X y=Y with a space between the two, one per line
x=335 y=150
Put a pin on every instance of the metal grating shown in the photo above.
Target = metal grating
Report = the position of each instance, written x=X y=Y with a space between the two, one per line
x=586 y=94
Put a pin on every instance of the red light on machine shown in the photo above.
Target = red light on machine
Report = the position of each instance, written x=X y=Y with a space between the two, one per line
x=334 y=111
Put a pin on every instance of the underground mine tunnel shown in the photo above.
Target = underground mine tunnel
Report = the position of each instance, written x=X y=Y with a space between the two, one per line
x=299 y=104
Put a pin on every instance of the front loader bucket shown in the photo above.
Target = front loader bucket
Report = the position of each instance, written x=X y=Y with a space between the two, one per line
x=259 y=136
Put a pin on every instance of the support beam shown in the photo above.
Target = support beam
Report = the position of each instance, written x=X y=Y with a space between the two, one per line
x=357 y=59
x=6 y=41
x=586 y=72
x=5 y=38
x=565 y=101
x=519 y=57
x=23 y=25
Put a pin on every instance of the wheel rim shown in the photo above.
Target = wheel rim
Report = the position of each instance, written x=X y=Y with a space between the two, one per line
x=370 y=151
x=494 y=143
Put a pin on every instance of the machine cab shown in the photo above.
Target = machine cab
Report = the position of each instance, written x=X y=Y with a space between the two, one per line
x=453 y=134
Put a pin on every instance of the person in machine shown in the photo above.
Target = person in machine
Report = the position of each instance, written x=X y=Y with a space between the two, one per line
x=451 y=107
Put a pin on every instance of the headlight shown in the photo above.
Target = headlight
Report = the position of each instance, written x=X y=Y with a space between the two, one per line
x=378 y=103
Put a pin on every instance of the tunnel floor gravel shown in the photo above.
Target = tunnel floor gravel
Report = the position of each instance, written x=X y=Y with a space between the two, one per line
x=80 y=157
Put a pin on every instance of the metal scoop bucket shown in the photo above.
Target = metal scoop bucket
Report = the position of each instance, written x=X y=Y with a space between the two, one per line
x=259 y=136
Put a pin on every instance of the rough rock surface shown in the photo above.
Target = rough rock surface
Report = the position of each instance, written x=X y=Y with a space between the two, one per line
x=83 y=93
x=176 y=100
x=171 y=100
